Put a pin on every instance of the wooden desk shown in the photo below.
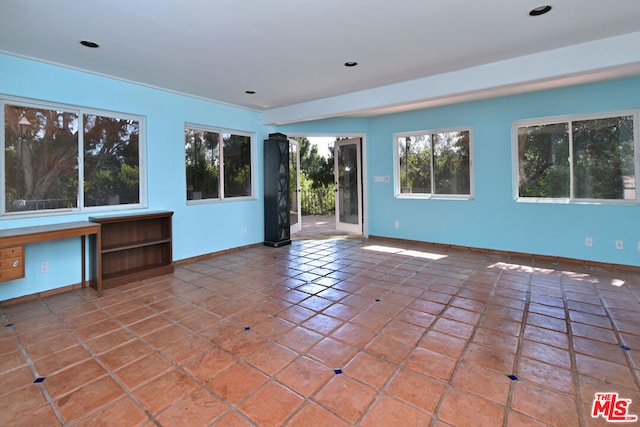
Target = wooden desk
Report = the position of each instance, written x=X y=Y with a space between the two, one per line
x=40 y=233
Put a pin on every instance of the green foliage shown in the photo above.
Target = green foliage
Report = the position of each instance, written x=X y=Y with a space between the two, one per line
x=544 y=165
x=318 y=169
x=415 y=164
x=129 y=183
x=446 y=152
x=603 y=154
x=41 y=159
x=237 y=165
x=318 y=200
x=109 y=186
x=41 y=165
x=202 y=164
x=111 y=161
x=316 y=180
x=451 y=163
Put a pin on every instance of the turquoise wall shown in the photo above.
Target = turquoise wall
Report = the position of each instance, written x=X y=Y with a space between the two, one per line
x=197 y=229
x=493 y=219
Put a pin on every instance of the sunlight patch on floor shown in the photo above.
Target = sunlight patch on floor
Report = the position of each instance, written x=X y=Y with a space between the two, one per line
x=401 y=251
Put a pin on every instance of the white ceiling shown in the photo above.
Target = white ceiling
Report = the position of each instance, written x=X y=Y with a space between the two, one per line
x=292 y=52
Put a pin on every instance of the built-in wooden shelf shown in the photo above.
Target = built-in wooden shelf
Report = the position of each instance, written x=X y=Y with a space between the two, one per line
x=135 y=247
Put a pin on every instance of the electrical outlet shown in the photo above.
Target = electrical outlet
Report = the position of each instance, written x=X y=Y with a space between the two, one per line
x=619 y=245
x=397 y=224
x=589 y=241
x=44 y=267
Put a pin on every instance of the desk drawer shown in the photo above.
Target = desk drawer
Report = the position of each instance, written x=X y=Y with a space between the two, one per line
x=11 y=263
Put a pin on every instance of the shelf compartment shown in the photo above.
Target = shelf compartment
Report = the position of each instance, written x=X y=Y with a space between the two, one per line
x=135 y=247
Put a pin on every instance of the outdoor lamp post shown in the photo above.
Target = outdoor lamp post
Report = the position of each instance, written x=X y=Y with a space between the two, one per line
x=23 y=127
x=406 y=162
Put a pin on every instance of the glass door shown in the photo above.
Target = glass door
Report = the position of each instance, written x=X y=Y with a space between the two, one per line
x=295 y=217
x=348 y=185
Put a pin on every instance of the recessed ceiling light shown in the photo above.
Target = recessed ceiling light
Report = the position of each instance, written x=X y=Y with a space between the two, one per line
x=540 y=10
x=250 y=92
x=90 y=44
x=350 y=64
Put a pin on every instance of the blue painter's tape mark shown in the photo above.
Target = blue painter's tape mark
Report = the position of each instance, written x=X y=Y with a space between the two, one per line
x=625 y=348
x=247 y=328
x=377 y=299
x=39 y=380
x=337 y=371
x=513 y=377
x=8 y=325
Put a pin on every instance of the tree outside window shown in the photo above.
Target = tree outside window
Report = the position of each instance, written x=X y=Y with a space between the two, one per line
x=218 y=164
x=579 y=159
x=434 y=163
x=111 y=165
x=202 y=164
x=42 y=166
x=237 y=165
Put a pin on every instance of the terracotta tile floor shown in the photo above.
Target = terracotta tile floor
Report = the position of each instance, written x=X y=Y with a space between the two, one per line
x=329 y=333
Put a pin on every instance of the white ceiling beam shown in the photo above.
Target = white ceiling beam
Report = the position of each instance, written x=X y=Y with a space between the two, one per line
x=593 y=61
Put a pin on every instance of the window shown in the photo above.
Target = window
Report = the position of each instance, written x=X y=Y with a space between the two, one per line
x=434 y=163
x=218 y=164
x=44 y=172
x=578 y=158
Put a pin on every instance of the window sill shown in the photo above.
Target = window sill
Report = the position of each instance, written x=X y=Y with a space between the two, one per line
x=567 y=201
x=433 y=197
x=215 y=201
x=71 y=211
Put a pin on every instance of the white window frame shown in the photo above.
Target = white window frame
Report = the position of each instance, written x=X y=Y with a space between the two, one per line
x=569 y=119
x=221 y=132
x=435 y=196
x=81 y=111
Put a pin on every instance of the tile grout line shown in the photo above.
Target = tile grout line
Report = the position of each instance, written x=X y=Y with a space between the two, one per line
x=35 y=372
x=402 y=363
x=107 y=370
x=518 y=355
x=434 y=416
x=390 y=286
x=232 y=408
x=634 y=372
x=572 y=352
x=111 y=373
x=310 y=399
x=271 y=378
x=379 y=333
x=469 y=341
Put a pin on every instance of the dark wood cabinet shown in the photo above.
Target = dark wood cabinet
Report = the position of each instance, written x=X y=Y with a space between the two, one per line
x=277 y=231
x=134 y=247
